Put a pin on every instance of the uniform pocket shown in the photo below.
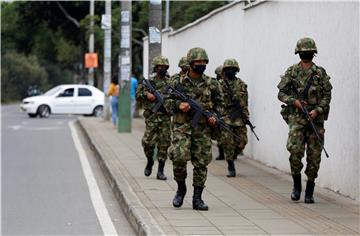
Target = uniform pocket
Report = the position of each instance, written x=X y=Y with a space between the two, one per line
x=312 y=95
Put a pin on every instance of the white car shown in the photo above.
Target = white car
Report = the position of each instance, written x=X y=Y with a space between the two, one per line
x=66 y=99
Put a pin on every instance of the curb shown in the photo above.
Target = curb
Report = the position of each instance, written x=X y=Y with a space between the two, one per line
x=137 y=214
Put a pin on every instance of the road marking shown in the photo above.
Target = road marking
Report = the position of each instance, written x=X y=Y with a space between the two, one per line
x=18 y=127
x=96 y=198
x=15 y=127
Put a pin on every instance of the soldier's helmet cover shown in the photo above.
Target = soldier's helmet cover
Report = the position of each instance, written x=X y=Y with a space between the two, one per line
x=197 y=54
x=183 y=62
x=218 y=70
x=231 y=63
x=160 y=61
x=305 y=45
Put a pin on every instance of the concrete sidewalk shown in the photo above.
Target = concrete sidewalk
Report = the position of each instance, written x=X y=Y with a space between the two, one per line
x=257 y=201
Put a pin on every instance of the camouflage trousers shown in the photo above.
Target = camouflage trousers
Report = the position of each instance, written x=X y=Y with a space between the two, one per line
x=191 y=144
x=301 y=135
x=157 y=133
x=233 y=147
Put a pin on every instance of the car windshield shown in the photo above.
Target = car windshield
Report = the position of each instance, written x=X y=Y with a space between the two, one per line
x=53 y=91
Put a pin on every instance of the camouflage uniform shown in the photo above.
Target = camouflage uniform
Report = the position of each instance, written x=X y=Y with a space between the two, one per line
x=190 y=143
x=157 y=132
x=216 y=133
x=182 y=64
x=300 y=132
x=240 y=93
x=218 y=72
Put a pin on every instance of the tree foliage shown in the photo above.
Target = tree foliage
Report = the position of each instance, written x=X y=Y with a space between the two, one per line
x=184 y=12
x=41 y=45
x=18 y=72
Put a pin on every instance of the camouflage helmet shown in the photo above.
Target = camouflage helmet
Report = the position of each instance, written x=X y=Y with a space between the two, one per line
x=231 y=63
x=197 y=54
x=160 y=61
x=305 y=44
x=183 y=62
x=218 y=70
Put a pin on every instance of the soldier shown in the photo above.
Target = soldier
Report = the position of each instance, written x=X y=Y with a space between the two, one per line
x=218 y=72
x=191 y=143
x=312 y=83
x=184 y=66
x=157 y=132
x=217 y=136
x=235 y=90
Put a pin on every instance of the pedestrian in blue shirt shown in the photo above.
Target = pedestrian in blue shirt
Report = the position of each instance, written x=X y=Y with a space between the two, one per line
x=133 y=86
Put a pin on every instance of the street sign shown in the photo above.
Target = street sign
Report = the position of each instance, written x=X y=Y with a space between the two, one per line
x=91 y=60
x=106 y=22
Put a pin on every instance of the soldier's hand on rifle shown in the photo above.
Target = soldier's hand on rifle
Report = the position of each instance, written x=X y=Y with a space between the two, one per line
x=184 y=107
x=150 y=96
x=313 y=114
x=297 y=104
x=212 y=121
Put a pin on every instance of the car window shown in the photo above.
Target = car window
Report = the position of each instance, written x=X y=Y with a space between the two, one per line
x=53 y=91
x=84 y=92
x=67 y=93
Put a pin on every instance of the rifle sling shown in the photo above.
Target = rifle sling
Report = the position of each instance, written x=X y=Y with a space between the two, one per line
x=307 y=87
x=309 y=82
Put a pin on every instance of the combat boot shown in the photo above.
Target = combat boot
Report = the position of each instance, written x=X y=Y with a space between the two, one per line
x=221 y=153
x=180 y=194
x=160 y=174
x=148 y=167
x=231 y=169
x=197 y=202
x=296 y=192
x=309 y=191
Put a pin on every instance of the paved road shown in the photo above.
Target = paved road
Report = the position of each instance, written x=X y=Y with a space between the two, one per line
x=45 y=189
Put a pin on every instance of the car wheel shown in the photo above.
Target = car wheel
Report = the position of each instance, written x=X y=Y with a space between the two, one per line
x=32 y=115
x=98 y=110
x=44 y=111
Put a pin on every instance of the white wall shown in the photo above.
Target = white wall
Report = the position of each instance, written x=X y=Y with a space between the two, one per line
x=263 y=38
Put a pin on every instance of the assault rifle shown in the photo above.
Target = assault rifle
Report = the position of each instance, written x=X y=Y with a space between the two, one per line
x=159 y=97
x=302 y=98
x=199 y=110
x=238 y=111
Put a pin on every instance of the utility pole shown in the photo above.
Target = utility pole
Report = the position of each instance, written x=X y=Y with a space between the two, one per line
x=106 y=25
x=91 y=41
x=155 y=16
x=167 y=14
x=125 y=67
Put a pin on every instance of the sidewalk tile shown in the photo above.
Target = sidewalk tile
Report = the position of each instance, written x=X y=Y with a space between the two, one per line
x=229 y=221
x=281 y=226
x=190 y=222
x=260 y=214
x=241 y=230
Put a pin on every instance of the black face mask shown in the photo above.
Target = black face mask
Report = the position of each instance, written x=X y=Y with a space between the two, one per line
x=198 y=69
x=184 y=69
x=162 y=72
x=230 y=74
x=306 y=56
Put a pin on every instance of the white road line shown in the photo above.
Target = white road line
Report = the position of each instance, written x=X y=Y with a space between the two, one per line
x=96 y=198
x=18 y=127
